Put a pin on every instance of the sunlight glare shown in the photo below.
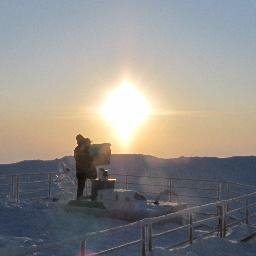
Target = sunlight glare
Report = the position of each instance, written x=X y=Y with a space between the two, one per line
x=125 y=109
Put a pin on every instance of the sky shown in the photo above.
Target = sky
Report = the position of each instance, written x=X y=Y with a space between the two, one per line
x=194 y=62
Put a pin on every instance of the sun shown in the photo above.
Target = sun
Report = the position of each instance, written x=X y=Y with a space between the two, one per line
x=125 y=109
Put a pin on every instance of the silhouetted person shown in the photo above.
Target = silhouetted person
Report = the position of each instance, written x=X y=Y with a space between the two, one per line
x=84 y=166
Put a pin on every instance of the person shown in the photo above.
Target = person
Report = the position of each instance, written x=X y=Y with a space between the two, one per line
x=84 y=164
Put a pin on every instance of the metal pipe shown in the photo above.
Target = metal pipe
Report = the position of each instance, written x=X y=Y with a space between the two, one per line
x=17 y=189
x=227 y=190
x=246 y=212
x=143 y=240
x=12 y=187
x=86 y=187
x=150 y=241
x=126 y=181
x=223 y=209
x=170 y=188
x=82 y=248
x=219 y=190
x=107 y=251
x=190 y=228
x=49 y=185
x=167 y=178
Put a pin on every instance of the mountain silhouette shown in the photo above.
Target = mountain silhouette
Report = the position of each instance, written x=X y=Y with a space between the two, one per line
x=239 y=168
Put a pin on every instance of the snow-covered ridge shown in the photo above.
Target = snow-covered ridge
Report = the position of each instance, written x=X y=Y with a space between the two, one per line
x=238 y=169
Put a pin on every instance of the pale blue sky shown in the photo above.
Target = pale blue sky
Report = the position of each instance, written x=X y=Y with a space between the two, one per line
x=57 y=57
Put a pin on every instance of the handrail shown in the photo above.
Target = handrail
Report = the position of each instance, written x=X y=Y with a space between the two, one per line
x=137 y=176
x=146 y=224
x=116 y=248
x=169 y=231
x=167 y=178
x=239 y=197
x=16 y=182
x=28 y=173
x=240 y=184
x=73 y=240
x=172 y=188
x=143 y=223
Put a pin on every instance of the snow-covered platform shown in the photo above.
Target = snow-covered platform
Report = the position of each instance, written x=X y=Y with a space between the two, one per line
x=59 y=232
x=124 y=204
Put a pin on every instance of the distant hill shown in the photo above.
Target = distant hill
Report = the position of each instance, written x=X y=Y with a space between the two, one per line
x=240 y=169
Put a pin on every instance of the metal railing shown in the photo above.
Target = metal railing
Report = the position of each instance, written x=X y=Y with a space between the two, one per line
x=179 y=188
x=194 y=219
x=21 y=186
x=230 y=204
x=215 y=218
x=191 y=191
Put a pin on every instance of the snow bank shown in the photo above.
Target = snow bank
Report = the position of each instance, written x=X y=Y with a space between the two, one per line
x=210 y=247
x=240 y=232
x=33 y=223
x=41 y=222
x=216 y=247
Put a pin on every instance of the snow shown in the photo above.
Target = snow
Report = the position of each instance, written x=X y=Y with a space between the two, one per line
x=213 y=246
x=216 y=247
x=43 y=222
x=240 y=232
x=122 y=202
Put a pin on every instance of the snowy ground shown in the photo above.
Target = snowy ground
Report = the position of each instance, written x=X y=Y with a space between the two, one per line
x=43 y=222
x=38 y=223
x=211 y=247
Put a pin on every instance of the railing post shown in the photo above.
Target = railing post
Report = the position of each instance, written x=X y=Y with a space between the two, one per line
x=49 y=185
x=12 y=187
x=86 y=187
x=17 y=189
x=126 y=182
x=227 y=196
x=224 y=211
x=143 y=240
x=228 y=190
x=170 y=188
x=221 y=209
x=190 y=228
x=82 y=248
x=218 y=206
x=150 y=242
x=219 y=190
x=246 y=212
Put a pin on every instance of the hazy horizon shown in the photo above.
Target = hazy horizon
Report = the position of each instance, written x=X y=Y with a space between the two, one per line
x=194 y=62
x=164 y=158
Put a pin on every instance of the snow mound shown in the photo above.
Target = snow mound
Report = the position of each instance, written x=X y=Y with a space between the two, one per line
x=241 y=232
x=215 y=246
